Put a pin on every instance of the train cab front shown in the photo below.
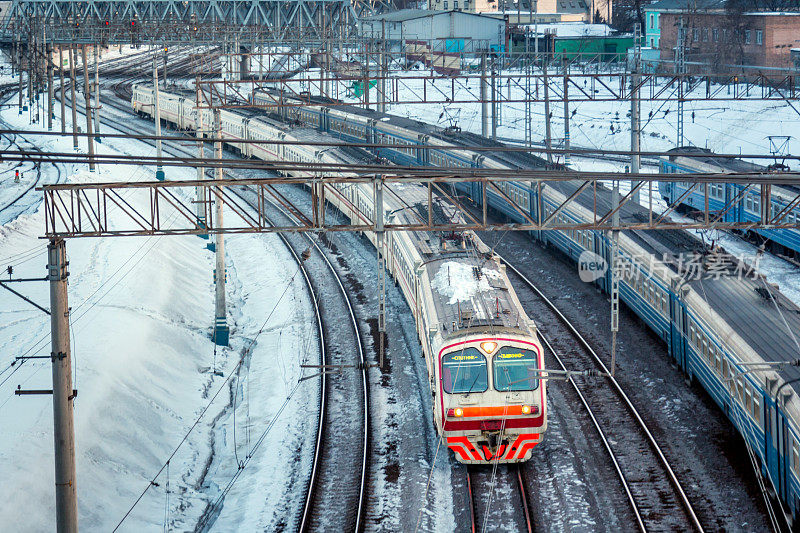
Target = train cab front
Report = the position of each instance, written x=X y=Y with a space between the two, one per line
x=492 y=403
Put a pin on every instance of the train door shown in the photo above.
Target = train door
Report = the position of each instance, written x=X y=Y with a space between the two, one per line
x=730 y=216
x=476 y=187
x=324 y=117
x=370 y=133
x=674 y=346
x=771 y=439
x=423 y=154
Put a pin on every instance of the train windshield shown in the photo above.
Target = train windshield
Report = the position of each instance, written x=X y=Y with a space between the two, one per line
x=515 y=369
x=464 y=371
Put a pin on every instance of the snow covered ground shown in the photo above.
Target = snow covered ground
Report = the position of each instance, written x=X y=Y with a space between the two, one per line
x=722 y=126
x=142 y=310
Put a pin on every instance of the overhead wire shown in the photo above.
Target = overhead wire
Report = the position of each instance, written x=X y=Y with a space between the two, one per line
x=205 y=409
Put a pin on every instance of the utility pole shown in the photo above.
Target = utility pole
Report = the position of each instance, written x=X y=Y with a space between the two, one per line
x=494 y=101
x=566 y=111
x=528 y=63
x=680 y=67
x=366 y=72
x=221 y=331
x=18 y=42
x=200 y=198
x=63 y=395
x=73 y=57
x=165 y=66
x=31 y=68
x=96 y=93
x=614 y=275
x=484 y=99
x=19 y=64
x=159 y=169
x=383 y=62
x=379 y=241
x=548 y=132
x=87 y=94
x=636 y=134
x=61 y=75
x=50 y=101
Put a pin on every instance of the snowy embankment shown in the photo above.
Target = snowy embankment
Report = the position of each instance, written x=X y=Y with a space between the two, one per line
x=142 y=311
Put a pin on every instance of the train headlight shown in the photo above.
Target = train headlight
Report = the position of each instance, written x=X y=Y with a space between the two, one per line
x=526 y=409
x=457 y=412
x=489 y=347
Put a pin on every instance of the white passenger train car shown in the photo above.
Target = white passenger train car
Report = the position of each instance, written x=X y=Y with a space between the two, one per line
x=483 y=355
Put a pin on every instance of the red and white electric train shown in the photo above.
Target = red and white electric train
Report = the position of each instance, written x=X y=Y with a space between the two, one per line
x=483 y=355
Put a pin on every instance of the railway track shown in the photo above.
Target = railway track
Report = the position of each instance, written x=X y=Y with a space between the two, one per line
x=654 y=491
x=16 y=141
x=336 y=490
x=336 y=493
x=492 y=509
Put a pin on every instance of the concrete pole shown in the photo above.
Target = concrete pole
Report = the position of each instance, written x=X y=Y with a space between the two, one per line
x=494 y=102
x=159 y=169
x=63 y=396
x=61 y=75
x=566 y=113
x=201 y=172
x=97 y=93
x=614 y=275
x=221 y=331
x=367 y=51
x=548 y=131
x=379 y=241
x=19 y=68
x=50 y=111
x=383 y=62
x=484 y=99
x=73 y=56
x=31 y=69
x=87 y=95
x=636 y=134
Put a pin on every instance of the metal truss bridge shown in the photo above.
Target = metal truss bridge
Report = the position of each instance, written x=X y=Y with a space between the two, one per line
x=183 y=21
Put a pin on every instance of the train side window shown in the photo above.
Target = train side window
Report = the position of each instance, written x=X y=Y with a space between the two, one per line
x=748 y=398
x=464 y=371
x=756 y=408
x=795 y=457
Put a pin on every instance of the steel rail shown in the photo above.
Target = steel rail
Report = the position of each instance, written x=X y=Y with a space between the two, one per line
x=683 y=499
x=313 y=478
x=456 y=147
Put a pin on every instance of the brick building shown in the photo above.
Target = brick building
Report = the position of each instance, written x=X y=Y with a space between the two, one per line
x=717 y=37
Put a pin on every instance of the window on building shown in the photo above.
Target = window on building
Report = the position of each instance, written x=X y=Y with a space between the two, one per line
x=705 y=35
x=652 y=21
x=759 y=37
x=715 y=34
x=455 y=6
x=747 y=36
x=695 y=34
x=652 y=42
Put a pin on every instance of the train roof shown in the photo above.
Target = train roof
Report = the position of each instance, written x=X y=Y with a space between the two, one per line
x=723 y=164
x=468 y=286
x=758 y=312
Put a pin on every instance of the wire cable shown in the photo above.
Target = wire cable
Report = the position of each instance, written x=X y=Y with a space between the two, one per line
x=210 y=402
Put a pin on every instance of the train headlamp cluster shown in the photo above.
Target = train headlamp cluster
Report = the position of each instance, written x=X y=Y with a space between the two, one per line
x=526 y=409
x=489 y=347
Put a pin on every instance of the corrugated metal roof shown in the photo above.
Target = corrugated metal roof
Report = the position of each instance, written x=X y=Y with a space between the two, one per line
x=686 y=5
x=411 y=14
